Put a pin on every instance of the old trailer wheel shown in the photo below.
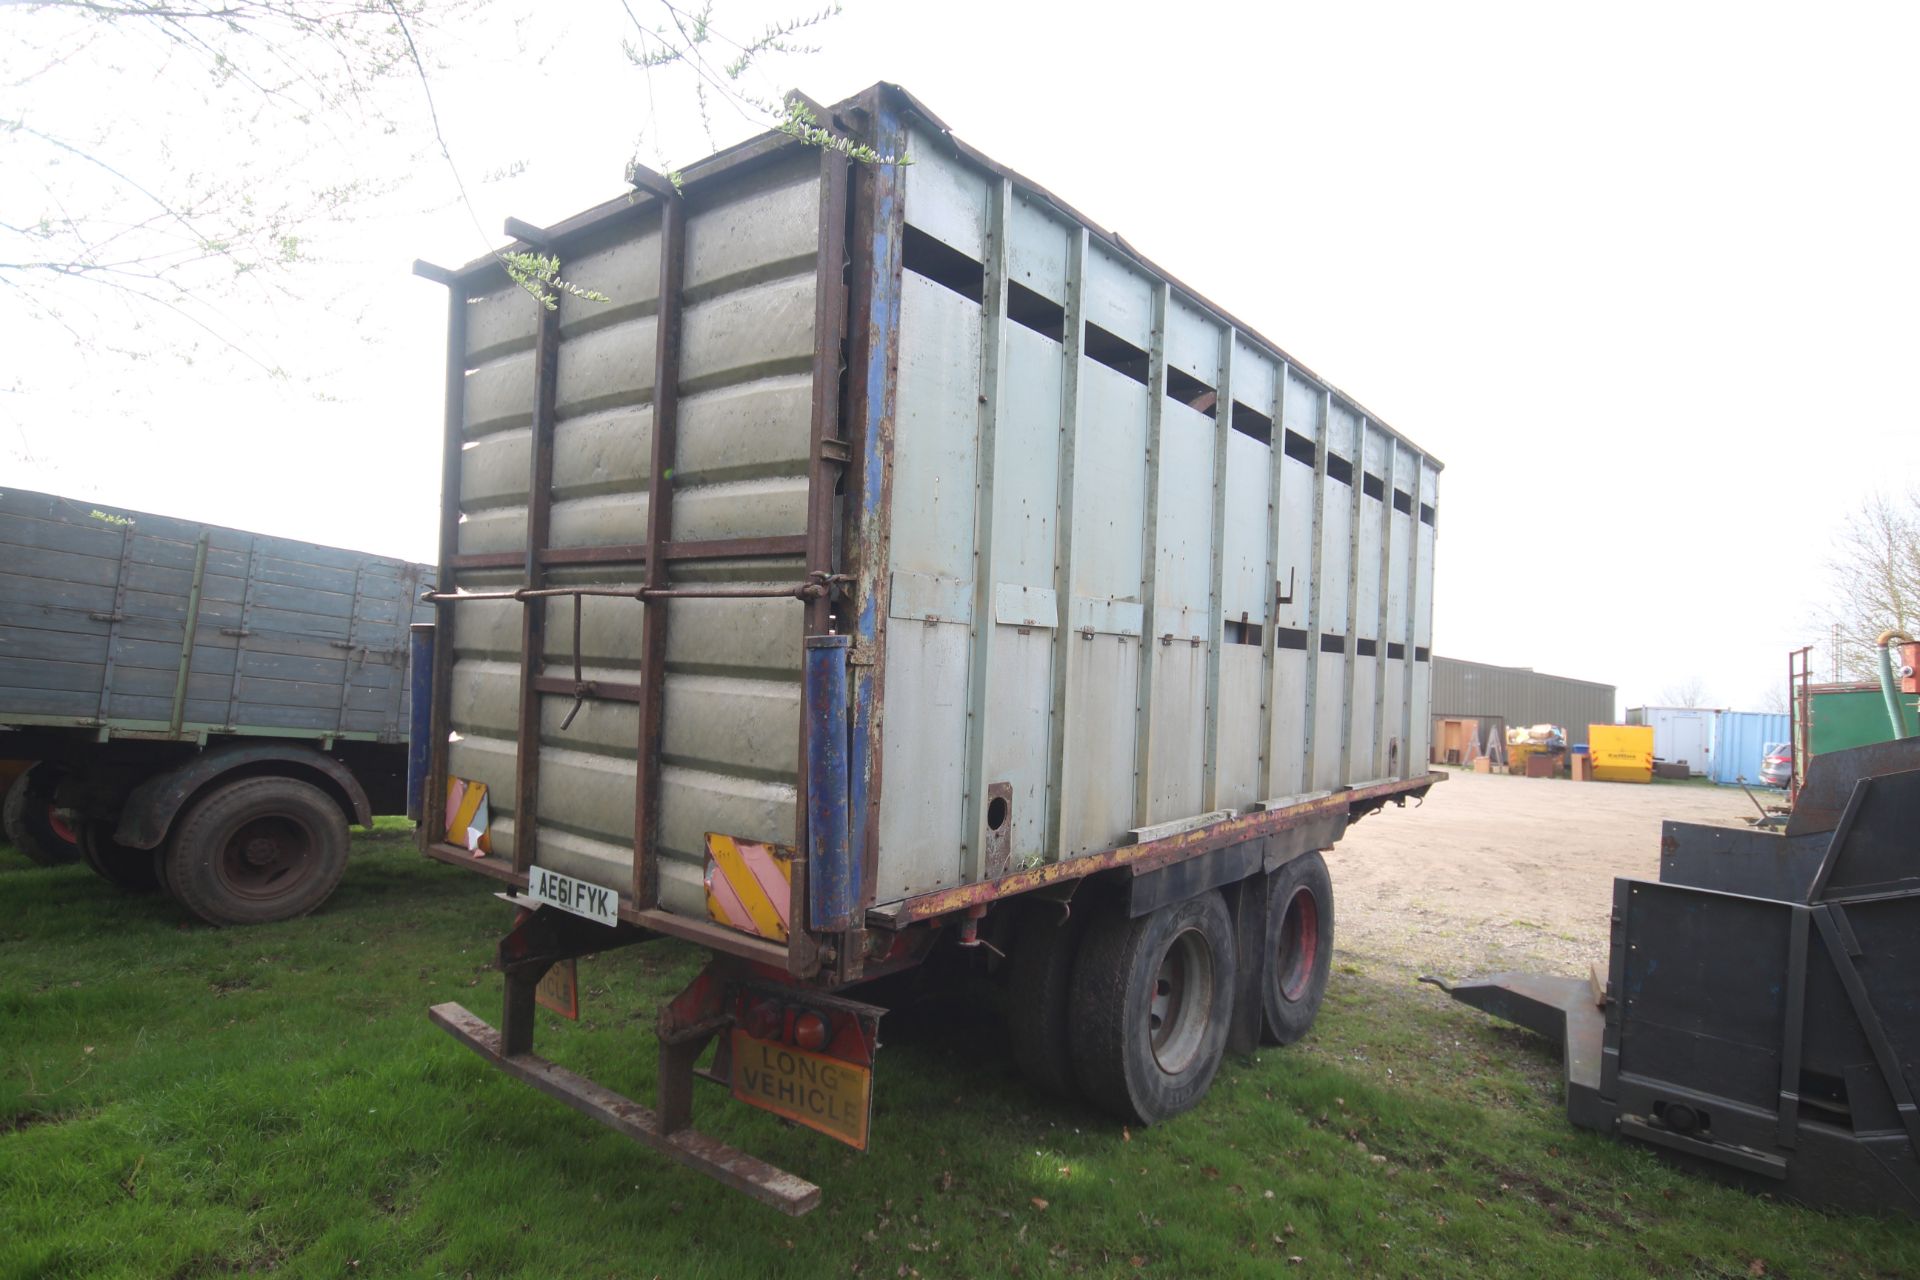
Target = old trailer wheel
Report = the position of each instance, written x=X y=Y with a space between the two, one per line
x=1152 y=998
x=121 y=864
x=258 y=850
x=1300 y=930
x=1039 y=993
x=32 y=824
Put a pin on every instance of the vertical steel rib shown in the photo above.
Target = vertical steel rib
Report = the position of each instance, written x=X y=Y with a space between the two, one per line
x=1150 y=561
x=1269 y=773
x=1350 y=650
x=1407 y=761
x=653 y=616
x=191 y=633
x=1066 y=642
x=1379 y=767
x=1216 y=577
x=533 y=613
x=1316 y=606
x=993 y=358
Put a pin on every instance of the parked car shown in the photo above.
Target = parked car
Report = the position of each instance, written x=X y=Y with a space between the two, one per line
x=1776 y=767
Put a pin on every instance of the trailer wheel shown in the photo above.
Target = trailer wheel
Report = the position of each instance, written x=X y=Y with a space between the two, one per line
x=1152 y=998
x=1039 y=994
x=32 y=826
x=117 y=863
x=258 y=850
x=1300 y=927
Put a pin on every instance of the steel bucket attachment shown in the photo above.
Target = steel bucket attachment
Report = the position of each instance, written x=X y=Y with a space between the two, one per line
x=1762 y=1005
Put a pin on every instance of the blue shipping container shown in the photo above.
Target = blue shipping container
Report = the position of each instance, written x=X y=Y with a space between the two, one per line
x=1740 y=742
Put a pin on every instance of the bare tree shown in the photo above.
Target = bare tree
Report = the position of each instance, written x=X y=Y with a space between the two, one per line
x=1691 y=692
x=1774 y=700
x=1874 y=577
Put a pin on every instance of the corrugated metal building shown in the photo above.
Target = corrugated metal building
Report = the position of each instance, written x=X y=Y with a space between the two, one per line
x=1520 y=696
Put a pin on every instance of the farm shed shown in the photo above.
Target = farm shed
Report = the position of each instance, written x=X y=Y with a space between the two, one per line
x=1519 y=696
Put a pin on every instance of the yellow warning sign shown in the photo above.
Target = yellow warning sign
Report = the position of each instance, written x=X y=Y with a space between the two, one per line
x=809 y=1088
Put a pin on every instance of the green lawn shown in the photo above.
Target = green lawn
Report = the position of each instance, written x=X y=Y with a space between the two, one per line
x=180 y=1101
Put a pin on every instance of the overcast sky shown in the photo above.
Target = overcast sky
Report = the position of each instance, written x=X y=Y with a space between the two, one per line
x=1643 y=276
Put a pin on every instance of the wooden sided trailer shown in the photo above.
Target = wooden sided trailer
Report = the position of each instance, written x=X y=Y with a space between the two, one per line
x=894 y=561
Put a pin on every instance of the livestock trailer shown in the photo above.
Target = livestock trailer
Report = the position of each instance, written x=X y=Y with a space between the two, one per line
x=896 y=560
x=206 y=709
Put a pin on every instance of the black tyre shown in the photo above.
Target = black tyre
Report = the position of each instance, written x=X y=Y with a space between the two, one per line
x=117 y=863
x=1039 y=994
x=1300 y=950
x=1152 y=998
x=32 y=826
x=257 y=850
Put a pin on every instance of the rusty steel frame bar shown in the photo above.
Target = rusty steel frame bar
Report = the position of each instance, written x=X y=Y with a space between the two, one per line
x=1153 y=854
x=784 y=1191
x=800 y=591
x=653 y=620
x=533 y=614
x=828 y=456
x=636 y=552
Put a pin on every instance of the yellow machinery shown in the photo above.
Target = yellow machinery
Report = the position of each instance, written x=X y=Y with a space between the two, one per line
x=1621 y=752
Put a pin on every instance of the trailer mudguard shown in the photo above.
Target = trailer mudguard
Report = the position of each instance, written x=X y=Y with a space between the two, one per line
x=151 y=807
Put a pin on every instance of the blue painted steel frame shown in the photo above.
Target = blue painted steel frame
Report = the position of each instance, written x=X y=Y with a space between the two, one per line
x=883 y=260
x=834 y=879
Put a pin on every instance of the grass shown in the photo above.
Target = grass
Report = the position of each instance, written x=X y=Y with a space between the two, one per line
x=178 y=1101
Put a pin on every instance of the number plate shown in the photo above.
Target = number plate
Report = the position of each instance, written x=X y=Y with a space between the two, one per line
x=819 y=1092
x=577 y=896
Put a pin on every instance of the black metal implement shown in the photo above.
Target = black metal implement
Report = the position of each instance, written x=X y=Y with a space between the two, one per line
x=1762 y=1007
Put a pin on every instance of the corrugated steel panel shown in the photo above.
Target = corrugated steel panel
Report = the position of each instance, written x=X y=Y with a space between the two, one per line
x=1521 y=696
x=1741 y=740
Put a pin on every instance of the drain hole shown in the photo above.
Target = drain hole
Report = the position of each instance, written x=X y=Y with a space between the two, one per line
x=997 y=813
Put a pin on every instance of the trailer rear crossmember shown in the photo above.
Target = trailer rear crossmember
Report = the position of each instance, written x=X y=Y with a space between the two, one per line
x=786 y=1192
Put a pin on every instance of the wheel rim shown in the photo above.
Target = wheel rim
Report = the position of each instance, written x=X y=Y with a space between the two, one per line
x=1182 y=1002
x=266 y=856
x=60 y=826
x=1299 y=943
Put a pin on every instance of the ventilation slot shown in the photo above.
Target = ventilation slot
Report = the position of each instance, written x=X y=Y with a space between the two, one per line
x=1402 y=502
x=1288 y=638
x=1330 y=643
x=1338 y=468
x=1115 y=352
x=1364 y=648
x=1373 y=486
x=1191 y=392
x=1251 y=422
x=1299 y=448
x=1426 y=514
x=944 y=265
x=1042 y=315
x=1419 y=654
x=1396 y=650
x=1242 y=632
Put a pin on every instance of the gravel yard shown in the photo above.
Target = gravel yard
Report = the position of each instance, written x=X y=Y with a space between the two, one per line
x=1496 y=872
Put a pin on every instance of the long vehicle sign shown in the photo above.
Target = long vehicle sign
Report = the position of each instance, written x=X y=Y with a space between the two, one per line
x=578 y=896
